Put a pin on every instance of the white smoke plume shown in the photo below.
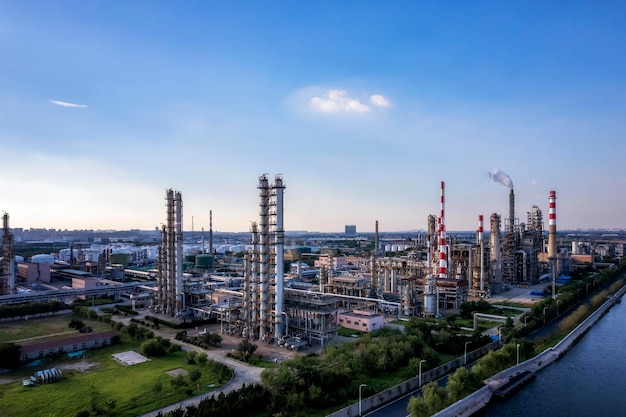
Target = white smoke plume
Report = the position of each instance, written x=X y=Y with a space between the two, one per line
x=500 y=177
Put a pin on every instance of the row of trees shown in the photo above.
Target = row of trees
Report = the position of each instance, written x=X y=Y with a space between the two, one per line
x=247 y=400
x=463 y=382
x=312 y=382
x=206 y=341
x=30 y=309
x=588 y=281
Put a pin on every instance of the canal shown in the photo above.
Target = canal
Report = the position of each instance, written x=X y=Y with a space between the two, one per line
x=589 y=380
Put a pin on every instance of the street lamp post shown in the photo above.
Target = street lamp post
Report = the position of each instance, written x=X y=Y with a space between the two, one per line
x=500 y=335
x=465 y=354
x=525 y=318
x=360 y=409
x=419 y=377
x=518 y=353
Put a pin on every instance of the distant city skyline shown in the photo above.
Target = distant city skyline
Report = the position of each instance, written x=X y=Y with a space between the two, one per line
x=363 y=107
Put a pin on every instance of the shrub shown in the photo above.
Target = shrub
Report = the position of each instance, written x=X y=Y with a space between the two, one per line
x=152 y=348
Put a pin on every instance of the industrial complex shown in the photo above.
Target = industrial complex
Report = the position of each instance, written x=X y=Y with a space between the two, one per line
x=270 y=286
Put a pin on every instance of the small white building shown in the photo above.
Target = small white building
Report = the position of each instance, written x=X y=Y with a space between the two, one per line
x=361 y=320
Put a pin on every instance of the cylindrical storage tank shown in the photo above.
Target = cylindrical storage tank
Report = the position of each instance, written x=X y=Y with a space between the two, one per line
x=42 y=259
x=430 y=304
x=204 y=261
x=190 y=258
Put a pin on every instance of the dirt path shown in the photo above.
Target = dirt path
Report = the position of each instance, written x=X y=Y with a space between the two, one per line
x=30 y=339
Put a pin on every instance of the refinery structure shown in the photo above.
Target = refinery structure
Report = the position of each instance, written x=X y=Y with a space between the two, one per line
x=274 y=290
x=268 y=298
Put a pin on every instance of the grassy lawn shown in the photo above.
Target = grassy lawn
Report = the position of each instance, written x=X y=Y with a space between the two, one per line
x=25 y=329
x=482 y=324
x=132 y=388
x=348 y=332
x=517 y=305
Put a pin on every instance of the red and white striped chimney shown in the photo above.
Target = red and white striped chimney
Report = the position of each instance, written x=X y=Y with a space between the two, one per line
x=552 y=226
x=443 y=254
x=480 y=228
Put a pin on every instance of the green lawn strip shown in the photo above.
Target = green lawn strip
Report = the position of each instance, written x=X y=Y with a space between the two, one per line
x=25 y=329
x=348 y=332
x=131 y=387
x=517 y=305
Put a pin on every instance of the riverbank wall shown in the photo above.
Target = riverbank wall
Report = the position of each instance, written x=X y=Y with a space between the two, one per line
x=479 y=399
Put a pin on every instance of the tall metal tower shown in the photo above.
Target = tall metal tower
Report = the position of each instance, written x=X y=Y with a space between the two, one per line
x=170 y=257
x=278 y=189
x=7 y=279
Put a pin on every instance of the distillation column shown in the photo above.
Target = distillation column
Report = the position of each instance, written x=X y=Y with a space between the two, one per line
x=430 y=283
x=7 y=279
x=481 y=242
x=180 y=301
x=264 y=251
x=278 y=189
x=170 y=246
x=496 y=250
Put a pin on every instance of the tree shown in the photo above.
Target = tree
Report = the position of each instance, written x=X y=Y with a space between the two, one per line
x=435 y=397
x=247 y=349
x=178 y=382
x=418 y=408
x=194 y=375
x=152 y=348
x=202 y=358
x=462 y=383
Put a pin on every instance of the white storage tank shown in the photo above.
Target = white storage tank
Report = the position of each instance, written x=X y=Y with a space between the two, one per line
x=42 y=259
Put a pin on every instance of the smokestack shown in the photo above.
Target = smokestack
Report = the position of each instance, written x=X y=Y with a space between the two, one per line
x=443 y=256
x=511 y=210
x=552 y=226
x=376 y=239
x=211 y=232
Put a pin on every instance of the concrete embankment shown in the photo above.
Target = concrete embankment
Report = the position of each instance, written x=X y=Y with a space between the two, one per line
x=474 y=402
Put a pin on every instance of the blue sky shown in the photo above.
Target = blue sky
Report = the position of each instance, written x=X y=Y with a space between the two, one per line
x=363 y=107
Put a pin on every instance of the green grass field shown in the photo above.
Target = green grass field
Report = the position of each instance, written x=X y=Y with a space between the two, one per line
x=107 y=385
x=132 y=388
x=41 y=327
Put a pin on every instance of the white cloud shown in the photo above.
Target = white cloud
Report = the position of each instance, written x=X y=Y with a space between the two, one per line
x=335 y=101
x=378 y=100
x=66 y=104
